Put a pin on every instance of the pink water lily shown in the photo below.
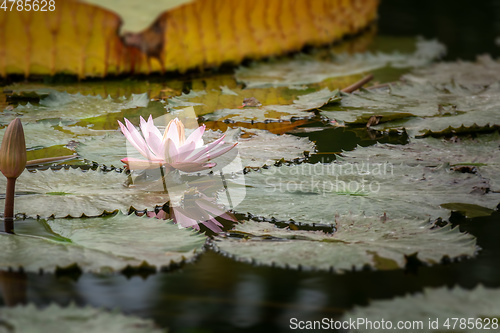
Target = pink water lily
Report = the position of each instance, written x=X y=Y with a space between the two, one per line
x=171 y=148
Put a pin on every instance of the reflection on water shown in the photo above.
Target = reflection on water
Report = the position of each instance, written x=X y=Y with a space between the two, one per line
x=220 y=294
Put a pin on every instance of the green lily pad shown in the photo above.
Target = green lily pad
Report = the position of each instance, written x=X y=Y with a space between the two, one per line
x=469 y=210
x=358 y=241
x=257 y=148
x=115 y=148
x=226 y=91
x=477 y=306
x=72 y=107
x=115 y=88
x=484 y=72
x=481 y=154
x=460 y=131
x=433 y=108
x=306 y=102
x=38 y=135
x=184 y=99
x=60 y=151
x=316 y=193
x=307 y=70
x=71 y=319
x=276 y=103
x=73 y=192
x=102 y=244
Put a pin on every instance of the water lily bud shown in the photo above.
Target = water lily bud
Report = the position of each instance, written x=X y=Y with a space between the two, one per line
x=13 y=150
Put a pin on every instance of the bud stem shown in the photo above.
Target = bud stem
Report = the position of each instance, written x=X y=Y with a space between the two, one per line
x=163 y=178
x=8 y=217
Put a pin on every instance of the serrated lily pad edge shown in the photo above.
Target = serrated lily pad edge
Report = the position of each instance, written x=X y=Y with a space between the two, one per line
x=144 y=266
x=212 y=245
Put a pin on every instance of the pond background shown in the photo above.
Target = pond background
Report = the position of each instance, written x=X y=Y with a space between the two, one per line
x=218 y=294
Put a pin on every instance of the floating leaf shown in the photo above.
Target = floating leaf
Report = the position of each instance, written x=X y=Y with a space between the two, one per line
x=54 y=318
x=433 y=108
x=115 y=148
x=52 y=155
x=72 y=107
x=460 y=131
x=101 y=244
x=468 y=210
x=358 y=241
x=38 y=135
x=481 y=155
x=274 y=127
x=207 y=100
x=306 y=70
x=296 y=110
x=109 y=87
x=75 y=192
x=481 y=305
x=226 y=91
x=316 y=193
x=484 y=72
x=184 y=100
x=257 y=148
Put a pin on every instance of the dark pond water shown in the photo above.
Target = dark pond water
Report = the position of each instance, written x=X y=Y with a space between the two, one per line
x=217 y=294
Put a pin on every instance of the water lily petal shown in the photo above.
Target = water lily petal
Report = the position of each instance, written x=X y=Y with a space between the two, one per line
x=205 y=149
x=154 y=142
x=153 y=129
x=214 y=153
x=186 y=149
x=129 y=137
x=172 y=132
x=196 y=136
x=180 y=131
x=221 y=149
x=171 y=153
x=135 y=138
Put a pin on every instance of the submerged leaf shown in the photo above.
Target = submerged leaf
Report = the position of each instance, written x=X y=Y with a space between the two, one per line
x=358 y=241
x=316 y=193
x=435 y=305
x=79 y=192
x=103 y=244
x=54 y=318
